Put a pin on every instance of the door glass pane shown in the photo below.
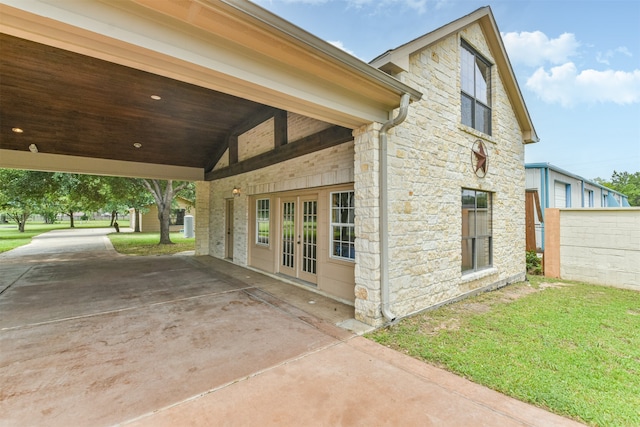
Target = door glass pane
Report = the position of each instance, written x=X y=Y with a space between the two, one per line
x=288 y=234
x=309 y=236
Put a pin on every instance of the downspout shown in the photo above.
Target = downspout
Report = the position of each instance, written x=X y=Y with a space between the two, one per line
x=544 y=176
x=384 y=214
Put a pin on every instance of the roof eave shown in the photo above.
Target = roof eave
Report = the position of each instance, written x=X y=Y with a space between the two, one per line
x=279 y=25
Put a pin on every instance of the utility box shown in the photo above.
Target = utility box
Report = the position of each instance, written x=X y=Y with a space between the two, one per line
x=188 y=226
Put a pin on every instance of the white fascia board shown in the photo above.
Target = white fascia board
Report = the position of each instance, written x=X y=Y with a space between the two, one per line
x=13 y=159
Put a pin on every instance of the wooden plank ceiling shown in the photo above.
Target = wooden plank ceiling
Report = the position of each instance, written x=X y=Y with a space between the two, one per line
x=76 y=105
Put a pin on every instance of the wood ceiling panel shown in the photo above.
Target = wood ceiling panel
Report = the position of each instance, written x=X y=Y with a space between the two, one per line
x=71 y=104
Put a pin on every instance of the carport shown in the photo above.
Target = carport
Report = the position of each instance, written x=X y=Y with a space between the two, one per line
x=143 y=88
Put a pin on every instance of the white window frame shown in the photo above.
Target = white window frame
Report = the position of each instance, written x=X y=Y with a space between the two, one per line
x=474 y=235
x=476 y=98
x=338 y=247
x=260 y=219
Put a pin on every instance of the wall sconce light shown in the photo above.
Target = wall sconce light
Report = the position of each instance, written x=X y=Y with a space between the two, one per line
x=236 y=192
x=33 y=148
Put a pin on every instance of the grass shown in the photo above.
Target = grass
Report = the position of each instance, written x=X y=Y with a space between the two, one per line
x=147 y=243
x=11 y=238
x=568 y=347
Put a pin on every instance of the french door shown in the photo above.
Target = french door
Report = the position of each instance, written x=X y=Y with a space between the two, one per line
x=299 y=238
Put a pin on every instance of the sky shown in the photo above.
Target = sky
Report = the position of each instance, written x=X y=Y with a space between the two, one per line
x=577 y=63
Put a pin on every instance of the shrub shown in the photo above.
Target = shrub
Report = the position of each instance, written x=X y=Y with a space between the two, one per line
x=534 y=265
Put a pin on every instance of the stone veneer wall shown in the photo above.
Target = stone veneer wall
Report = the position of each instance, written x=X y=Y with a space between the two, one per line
x=203 y=189
x=429 y=164
x=331 y=166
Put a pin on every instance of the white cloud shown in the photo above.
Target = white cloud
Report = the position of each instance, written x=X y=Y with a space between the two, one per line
x=535 y=49
x=567 y=86
x=603 y=58
x=418 y=5
x=340 y=45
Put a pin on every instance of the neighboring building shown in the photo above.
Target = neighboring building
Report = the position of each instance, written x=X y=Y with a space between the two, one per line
x=442 y=214
x=149 y=222
x=557 y=188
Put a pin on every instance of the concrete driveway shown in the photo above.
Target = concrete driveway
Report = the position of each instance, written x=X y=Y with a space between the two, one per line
x=89 y=337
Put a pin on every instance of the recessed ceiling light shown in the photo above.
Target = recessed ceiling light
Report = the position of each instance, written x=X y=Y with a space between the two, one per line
x=137 y=144
x=17 y=130
x=156 y=97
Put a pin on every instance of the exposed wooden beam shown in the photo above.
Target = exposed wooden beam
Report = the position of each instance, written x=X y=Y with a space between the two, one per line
x=330 y=137
x=254 y=120
x=280 y=131
x=217 y=155
x=231 y=142
x=233 y=149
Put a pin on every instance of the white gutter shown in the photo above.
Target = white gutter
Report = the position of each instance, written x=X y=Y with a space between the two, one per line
x=384 y=214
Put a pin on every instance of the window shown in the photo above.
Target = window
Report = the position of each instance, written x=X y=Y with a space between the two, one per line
x=343 y=233
x=262 y=222
x=475 y=79
x=588 y=199
x=176 y=217
x=477 y=245
x=562 y=195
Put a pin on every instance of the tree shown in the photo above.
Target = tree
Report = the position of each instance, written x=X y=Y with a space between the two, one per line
x=79 y=193
x=625 y=183
x=22 y=193
x=125 y=193
x=163 y=193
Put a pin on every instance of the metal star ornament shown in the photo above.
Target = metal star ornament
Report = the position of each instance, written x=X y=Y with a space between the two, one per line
x=479 y=158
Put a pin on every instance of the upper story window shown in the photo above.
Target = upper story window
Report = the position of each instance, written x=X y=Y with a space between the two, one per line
x=475 y=79
x=262 y=221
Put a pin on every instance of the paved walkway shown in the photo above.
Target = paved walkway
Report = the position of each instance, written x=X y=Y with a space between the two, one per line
x=88 y=337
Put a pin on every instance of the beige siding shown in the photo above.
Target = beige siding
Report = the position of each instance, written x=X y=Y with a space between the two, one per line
x=149 y=222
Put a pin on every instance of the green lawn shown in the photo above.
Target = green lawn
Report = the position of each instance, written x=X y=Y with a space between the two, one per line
x=11 y=238
x=147 y=243
x=571 y=348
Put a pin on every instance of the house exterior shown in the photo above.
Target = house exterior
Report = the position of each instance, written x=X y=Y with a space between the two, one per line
x=149 y=222
x=558 y=188
x=407 y=214
x=394 y=186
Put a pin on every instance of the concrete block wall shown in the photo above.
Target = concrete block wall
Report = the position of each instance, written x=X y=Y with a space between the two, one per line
x=600 y=246
x=429 y=164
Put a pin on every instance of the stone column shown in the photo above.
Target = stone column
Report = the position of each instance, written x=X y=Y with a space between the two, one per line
x=367 y=268
x=203 y=213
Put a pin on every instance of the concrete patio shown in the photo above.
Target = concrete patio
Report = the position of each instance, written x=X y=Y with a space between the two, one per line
x=89 y=337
